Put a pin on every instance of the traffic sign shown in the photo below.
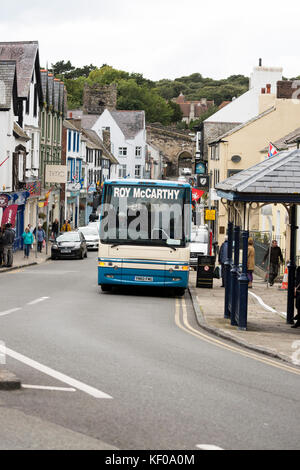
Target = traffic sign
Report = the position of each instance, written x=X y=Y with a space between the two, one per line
x=210 y=215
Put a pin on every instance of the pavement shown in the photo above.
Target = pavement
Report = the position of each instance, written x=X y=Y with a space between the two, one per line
x=267 y=331
x=8 y=381
x=19 y=261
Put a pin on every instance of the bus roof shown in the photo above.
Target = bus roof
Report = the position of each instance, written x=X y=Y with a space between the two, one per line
x=148 y=182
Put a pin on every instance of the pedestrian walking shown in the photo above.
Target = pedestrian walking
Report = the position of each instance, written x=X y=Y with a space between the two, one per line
x=27 y=241
x=1 y=245
x=297 y=298
x=66 y=227
x=250 y=262
x=8 y=242
x=223 y=255
x=40 y=237
x=275 y=259
x=55 y=229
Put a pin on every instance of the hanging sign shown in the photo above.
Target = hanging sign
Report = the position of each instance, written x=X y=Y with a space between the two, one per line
x=9 y=215
x=210 y=215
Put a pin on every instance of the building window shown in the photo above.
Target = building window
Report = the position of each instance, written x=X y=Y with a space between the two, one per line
x=54 y=128
x=74 y=141
x=138 y=169
x=122 y=171
x=32 y=150
x=43 y=123
x=78 y=142
x=122 y=151
x=49 y=127
x=69 y=141
x=138 y=151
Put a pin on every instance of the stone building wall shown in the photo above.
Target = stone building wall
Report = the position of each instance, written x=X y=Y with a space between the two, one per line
x=97 y=97
x=213 y=130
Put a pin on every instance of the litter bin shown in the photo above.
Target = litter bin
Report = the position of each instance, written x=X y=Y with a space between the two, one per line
x=205 y=271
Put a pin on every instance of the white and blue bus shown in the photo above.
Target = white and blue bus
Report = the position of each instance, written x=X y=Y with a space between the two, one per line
x=144 y=234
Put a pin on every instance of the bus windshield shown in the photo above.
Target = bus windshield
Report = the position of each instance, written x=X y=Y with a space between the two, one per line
x=145 y=214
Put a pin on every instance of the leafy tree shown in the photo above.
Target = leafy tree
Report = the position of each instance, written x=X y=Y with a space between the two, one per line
x=132 y=96
x=61 y=67
x=177 y=114
x=75 y=91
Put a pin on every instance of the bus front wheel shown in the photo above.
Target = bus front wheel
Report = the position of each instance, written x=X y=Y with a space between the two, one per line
x=179 y=292
x=106 y=288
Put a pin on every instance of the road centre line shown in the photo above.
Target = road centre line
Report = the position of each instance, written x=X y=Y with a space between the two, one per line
x=8 y=312
x=208 y=447
x=55 y=374
x=37 y=301
x=43 y=387
x=189 y=329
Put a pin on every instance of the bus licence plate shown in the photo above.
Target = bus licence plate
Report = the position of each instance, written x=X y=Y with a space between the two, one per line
x=143 y=279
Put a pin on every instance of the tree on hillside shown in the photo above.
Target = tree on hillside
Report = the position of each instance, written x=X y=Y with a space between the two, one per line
x=131 y=96
x=61 y=67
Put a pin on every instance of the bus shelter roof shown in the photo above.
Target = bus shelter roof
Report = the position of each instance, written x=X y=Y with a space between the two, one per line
x=276 y=179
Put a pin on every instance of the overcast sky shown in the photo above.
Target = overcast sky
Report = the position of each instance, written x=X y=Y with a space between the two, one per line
x=160 y=38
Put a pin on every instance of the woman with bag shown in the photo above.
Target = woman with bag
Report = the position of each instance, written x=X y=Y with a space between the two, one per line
x=28 y=241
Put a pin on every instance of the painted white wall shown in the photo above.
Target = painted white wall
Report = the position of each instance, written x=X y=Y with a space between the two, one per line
x=246 y=106
x=7 y=147
x=31 y=126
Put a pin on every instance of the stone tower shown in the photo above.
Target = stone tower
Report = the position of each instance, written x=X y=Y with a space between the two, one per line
x=97 y=97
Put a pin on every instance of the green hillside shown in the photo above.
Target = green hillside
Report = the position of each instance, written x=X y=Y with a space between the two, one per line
x=137 y=92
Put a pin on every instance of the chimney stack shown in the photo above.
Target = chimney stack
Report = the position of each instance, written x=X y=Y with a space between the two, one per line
x=263 y=91
x=260 y=62
x=268 y=86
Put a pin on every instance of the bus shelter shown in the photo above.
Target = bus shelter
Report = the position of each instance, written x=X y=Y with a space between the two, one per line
x=275 y=180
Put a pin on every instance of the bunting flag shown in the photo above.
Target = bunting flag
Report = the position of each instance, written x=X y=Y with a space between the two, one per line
x=197 y=194
x=4 y=161
x=272 y=150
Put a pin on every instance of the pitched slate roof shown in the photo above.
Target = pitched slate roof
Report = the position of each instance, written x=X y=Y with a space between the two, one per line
x=7 y=77
x=130 y=122
x=88 y=120
x=283 y=142
x=98 y=144
x=25 y=54
x=275 y=176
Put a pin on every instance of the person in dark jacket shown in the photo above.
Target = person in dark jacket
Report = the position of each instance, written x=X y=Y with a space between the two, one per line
x=297 y=297
x=8 y=241
x=1 y=246
x=275 y=258
x=55 y=229
x=223 y=255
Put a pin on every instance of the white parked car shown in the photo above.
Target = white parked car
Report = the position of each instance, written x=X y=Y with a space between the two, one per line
x=186 y=172
x=91 y=235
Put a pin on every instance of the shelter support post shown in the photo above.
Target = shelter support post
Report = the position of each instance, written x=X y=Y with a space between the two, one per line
x=243 y=284
x=291 y=266
x=227 y=277
x=234 y=276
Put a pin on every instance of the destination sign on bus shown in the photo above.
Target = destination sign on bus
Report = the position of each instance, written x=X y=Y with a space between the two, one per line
x=148 y=193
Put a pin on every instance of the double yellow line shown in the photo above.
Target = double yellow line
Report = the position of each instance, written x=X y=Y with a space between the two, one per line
x=181 y=320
